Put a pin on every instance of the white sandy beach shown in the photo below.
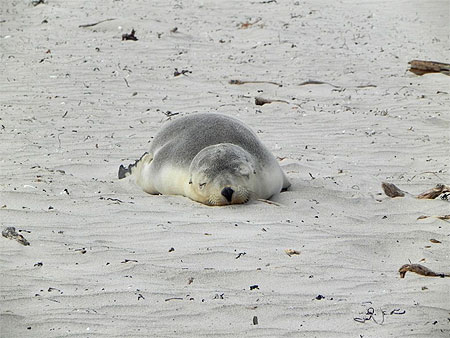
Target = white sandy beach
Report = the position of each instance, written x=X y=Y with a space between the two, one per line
x=76 y=102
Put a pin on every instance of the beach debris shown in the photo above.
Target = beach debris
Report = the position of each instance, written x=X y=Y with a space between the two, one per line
x=248 y=24
x=259 y=101
x=37 y=2
x=269 y=202
x=240 y=254
x=174 y=30
x=421 y=270
x=182 y=72
x=239 y=82
x=173 y=298
x=255 y=320
x=130 y=36
x=129 y=260
x=291 y=252
x=392 y=190
x=421 y=67
x=254 y=287
x=443 y=217
x=82 y=250
x=434 y=192
x=38 y=264
x=95 y=23
x=371 y=314
x=190 y=280
x=314 y=82
x=10 y=232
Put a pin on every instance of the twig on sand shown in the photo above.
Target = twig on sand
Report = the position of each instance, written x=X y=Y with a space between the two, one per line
x=420 y=67
x=259 y=101
x=10 y=232
x=314 y=82
x=248 y=24
x=240 y=82
x=269 y=202
x=421 y=270
x=95 y=23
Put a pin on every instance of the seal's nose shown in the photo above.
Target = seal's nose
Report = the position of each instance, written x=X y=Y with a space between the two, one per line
x=227 y=193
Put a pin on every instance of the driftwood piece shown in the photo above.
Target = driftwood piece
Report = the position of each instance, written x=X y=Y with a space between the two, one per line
x=421 y=270
x=421 y=67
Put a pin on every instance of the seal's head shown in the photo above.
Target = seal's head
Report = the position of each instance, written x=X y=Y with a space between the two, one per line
x=222 y=174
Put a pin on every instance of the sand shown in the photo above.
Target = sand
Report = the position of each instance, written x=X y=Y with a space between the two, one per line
x=76 y=102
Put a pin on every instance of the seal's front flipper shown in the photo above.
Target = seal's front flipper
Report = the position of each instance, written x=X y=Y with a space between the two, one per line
x=125 y=172
x=286 y=183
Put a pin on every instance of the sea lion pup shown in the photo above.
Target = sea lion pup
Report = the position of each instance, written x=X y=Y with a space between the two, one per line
x=211 y=158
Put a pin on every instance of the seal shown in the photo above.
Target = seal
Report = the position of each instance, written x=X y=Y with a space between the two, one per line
x=211 y=158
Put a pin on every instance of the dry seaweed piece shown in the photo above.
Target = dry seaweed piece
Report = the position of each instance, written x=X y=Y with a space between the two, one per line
x=181 y=72
x=421 y=270
x=95 y=23
x=315 y=82
x=130 y=36
x=291 y=252
x=420 y=67
x=10 y=232
x=443 y=217
x=392 y=190
x=259 y=101
x=248 y=24
x=434 y=192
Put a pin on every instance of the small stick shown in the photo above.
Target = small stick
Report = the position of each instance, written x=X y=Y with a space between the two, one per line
x=314 y=82
x=95 y=23
x=269 y=202
x=421 y=270
x=239 y=82
x=259 y=101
